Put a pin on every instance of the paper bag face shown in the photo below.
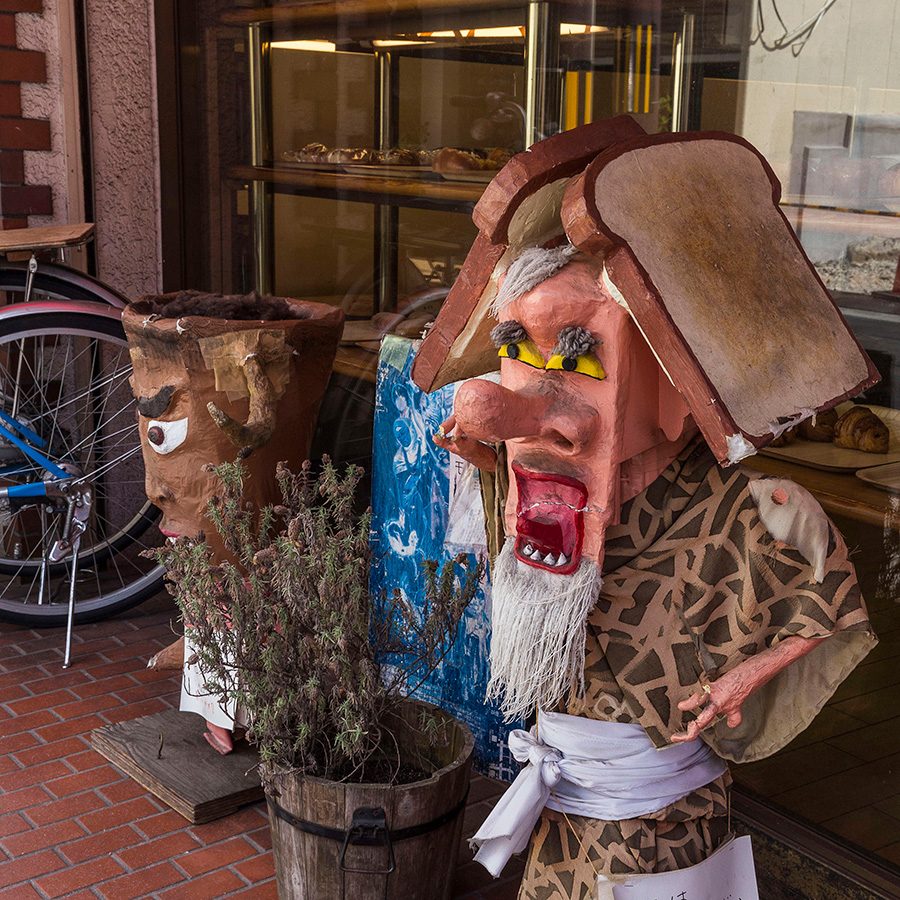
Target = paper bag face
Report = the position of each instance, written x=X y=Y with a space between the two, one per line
x=180 y=366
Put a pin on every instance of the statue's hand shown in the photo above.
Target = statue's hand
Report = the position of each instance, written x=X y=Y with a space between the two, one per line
x=480 y=455
x=724 y=697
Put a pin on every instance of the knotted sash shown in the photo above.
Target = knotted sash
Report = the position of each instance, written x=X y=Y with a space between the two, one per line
x=604 y=770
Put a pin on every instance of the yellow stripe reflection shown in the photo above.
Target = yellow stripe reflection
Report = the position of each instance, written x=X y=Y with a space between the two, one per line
x=588 y=97
x=647 y=68
x=637 y=69
x=571 y=120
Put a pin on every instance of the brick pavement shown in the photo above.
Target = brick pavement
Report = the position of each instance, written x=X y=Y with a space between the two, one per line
x=73 y=825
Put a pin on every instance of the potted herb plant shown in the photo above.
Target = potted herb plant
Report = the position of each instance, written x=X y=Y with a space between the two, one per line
x=365 y=788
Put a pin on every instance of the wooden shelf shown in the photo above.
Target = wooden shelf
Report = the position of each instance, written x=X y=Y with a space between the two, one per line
x=840 y=493
x=320 y=11
x=368 y=188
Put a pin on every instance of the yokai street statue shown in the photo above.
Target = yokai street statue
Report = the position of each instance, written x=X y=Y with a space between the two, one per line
x=658 y=608
x=216 y=378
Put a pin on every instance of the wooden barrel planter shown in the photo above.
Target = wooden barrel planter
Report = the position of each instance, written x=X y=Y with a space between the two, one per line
x=339 y=841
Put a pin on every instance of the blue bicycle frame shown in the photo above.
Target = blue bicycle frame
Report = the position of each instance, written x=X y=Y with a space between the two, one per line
x=8 y=428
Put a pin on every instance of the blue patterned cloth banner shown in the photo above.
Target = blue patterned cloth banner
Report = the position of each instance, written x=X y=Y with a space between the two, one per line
x=415 y=485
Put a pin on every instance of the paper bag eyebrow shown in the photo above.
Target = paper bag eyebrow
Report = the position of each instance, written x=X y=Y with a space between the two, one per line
x=151 y=407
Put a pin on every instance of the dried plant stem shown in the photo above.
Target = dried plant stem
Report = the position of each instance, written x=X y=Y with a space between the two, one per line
x=291 y=633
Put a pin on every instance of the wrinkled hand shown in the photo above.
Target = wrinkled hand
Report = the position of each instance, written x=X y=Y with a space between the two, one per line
x=726 y=695
x=480 y=455
x=725 y=698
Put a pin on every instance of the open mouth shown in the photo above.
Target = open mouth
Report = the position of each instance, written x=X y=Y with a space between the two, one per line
x=549 y=520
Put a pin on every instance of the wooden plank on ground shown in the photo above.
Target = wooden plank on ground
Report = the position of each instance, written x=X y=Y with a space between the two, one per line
x=187 y=774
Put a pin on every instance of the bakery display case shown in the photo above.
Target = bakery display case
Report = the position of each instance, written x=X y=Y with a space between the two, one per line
x=334 y=151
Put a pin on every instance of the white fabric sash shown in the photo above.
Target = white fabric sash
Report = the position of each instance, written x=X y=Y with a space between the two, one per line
x=603 y=770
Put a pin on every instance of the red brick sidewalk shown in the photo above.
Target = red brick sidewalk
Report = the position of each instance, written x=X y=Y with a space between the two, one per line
x=73 y=825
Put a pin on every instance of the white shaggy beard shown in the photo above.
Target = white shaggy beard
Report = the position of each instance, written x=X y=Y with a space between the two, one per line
x=537 y=632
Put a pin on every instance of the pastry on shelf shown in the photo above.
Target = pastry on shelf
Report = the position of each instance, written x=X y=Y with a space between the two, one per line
x=785 y=438
x=397 y=156
x=358 y=155
x=310 y=153
x=452 y=159
x=316 y=152
x=820 y=427
x=860 y=429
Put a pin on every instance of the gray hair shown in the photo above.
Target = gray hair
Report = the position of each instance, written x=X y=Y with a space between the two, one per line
x=532 y=267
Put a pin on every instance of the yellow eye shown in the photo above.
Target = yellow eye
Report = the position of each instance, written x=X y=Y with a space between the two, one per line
x=524 y=352
x=586 y=364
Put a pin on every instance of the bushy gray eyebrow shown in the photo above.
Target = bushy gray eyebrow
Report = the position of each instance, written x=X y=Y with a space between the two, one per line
x=509 y=332
x=152 y=407
x=574 y=341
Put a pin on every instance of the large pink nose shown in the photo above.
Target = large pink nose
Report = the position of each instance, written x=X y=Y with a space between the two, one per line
x=490 y=412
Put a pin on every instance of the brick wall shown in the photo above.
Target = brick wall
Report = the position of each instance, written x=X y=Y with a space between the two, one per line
x=19 y=200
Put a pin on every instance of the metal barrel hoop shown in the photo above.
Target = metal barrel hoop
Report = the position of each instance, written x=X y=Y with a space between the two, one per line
x=368 y=828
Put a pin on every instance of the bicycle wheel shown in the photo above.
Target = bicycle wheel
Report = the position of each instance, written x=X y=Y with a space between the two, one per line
x=54 y=281
x=64 y=370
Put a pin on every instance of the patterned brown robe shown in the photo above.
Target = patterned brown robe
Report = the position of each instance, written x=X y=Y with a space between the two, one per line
x=694 y=583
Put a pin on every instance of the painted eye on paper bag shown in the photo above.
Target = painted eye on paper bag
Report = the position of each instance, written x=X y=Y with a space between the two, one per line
x=524 y=352
x=586 y=364
x=164 y=437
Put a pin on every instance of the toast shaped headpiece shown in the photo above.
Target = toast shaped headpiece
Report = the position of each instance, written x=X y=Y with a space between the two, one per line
x=519 y=209
x=698 y=250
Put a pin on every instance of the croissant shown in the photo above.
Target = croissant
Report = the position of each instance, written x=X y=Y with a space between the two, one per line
x=785 y=438
x=820 y=428
x=860 y=429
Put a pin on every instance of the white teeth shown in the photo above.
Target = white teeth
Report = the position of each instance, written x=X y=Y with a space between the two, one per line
x=535 y=553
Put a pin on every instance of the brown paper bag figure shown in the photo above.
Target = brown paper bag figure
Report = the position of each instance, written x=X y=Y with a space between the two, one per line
x=216 y=377
x=661 y=608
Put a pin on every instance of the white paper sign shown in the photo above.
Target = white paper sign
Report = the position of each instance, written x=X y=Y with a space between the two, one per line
x=726 y=875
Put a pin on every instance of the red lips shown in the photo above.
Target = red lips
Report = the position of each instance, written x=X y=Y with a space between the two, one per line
x=549 y=520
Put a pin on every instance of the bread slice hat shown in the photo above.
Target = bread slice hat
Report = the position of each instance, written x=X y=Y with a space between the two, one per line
x=696 y=248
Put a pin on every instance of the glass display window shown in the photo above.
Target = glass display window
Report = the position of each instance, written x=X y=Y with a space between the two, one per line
x=335 y=151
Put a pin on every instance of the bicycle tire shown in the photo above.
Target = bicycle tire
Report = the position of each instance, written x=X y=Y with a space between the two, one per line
x=99 y=328
x=59 y=282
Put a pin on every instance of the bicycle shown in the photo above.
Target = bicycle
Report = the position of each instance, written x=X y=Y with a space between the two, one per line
x=73 y=514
